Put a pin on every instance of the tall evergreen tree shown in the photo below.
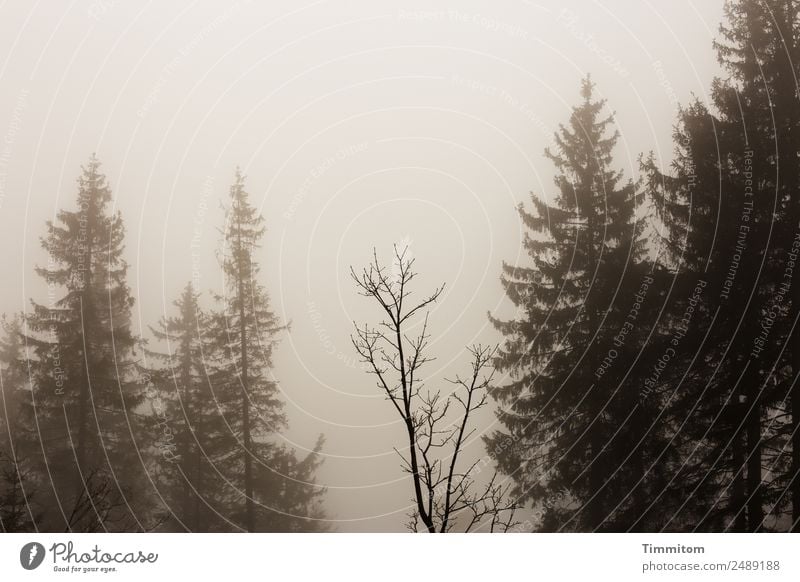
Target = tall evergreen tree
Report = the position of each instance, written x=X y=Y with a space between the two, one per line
x=247 y=330
x=568 y=398
x=730 y=207
x=702 y=414
x=84 y=397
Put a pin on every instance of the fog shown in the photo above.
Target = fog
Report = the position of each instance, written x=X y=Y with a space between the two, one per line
x=359 y=125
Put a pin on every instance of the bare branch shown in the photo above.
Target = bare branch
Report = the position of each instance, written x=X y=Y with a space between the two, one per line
x=396 y=359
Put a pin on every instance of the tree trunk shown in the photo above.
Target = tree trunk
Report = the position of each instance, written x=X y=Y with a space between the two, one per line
x=755 y=504
x=412 y=437
x=87 y=318
x=243 y=347
x=738 y=485
x=794 y=473
x=792 y=165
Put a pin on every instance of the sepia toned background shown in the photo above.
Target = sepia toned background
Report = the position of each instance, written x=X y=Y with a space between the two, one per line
x=358 y=125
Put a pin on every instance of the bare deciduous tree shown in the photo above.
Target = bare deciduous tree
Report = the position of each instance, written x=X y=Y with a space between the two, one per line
x=437 y=426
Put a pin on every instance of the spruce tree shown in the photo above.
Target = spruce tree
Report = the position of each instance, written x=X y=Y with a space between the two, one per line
x=730 y=210
x=702 y=415
x=194 y=437
x=267 y=483
x=85 y=395
x=569 y=397
x=749 y=51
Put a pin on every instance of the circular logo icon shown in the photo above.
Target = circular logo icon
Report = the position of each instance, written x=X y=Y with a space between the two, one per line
x=31 y=555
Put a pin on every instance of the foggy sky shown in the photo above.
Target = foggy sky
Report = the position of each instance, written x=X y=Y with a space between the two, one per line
x=358 y=124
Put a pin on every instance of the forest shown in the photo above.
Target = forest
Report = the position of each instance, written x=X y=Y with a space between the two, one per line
x=647 y=381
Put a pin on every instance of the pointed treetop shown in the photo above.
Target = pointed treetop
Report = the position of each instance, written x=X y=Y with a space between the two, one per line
x=239 y=176
x=587 y=88
x=93 y=165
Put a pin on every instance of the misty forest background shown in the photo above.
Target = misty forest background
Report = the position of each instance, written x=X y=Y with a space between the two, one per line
x=646 y=379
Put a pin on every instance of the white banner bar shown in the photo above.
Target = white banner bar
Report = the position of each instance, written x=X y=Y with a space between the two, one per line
x=388 y=557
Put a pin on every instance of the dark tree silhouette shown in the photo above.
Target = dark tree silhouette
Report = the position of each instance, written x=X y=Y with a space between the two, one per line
x=574 y=419
x=19 y=507
x=730 y=210
x=437 y=427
